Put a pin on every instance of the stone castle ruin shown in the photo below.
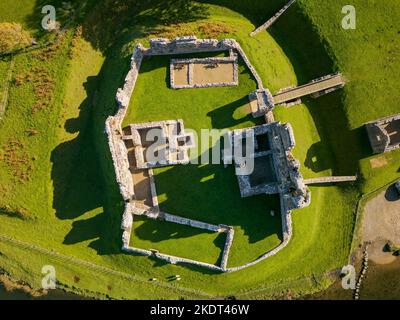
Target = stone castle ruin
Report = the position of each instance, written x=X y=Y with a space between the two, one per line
x=384 y=134
x=276 y=170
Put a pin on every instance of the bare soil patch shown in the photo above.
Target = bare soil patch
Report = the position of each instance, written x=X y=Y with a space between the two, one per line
x=181 y=75
x=141 y=181
x=206 y=73
x=381 y=223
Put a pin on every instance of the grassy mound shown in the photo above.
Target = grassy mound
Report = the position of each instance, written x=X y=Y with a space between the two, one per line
x=60 y=170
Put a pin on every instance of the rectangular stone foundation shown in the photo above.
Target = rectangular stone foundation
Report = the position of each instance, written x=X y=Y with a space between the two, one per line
x=204 y=73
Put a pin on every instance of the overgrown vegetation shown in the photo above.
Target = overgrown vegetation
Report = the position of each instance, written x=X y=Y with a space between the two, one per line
x=13 y=37
x=9 y=211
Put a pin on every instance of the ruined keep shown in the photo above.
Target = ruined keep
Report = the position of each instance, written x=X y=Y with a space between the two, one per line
x=384 y=134
x=274 y=169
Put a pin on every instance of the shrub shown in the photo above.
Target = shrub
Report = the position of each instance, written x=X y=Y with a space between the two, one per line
x=20 y=213
x=13 y=37
x=393 y=248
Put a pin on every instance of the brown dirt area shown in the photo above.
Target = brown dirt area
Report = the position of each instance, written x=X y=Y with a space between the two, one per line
x=204 y=73
x=141 y=181
x=181 y=75
x=381 y=223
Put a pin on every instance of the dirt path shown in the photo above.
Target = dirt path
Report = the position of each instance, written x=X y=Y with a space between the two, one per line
x=181 y=75
x=381 y=223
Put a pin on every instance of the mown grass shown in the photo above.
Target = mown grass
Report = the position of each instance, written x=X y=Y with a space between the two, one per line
x=178 y=240
x=72 y=191
x=368 y=57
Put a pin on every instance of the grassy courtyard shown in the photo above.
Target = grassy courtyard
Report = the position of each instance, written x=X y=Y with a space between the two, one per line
x=59 y=178
x=205 y=192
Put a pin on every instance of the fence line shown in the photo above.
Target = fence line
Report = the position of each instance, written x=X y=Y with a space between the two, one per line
x=98 y=268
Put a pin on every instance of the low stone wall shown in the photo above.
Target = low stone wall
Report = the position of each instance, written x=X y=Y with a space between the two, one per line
x=127 y=225
x=191 y=62
x=287 y=235
x=253 y=70
x=186 y=45
x=153 y=189
x=121 y=164
x=271 y=21
x=124 y=95
x=228 y=243
x=120 y=159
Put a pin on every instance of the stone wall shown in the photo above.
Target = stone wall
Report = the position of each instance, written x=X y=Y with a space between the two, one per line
x=127 y=226
x=228 y=243
x=121 y=164
x=287 y=233
x=190 y=62
x=272 y=20
x=265 y=102
x=186 y=45
x=190 y=222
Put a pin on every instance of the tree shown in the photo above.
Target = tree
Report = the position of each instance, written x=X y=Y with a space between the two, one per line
x=13 y=37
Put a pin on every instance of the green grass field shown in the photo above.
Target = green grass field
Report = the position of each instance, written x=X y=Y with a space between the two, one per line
x=56 y=171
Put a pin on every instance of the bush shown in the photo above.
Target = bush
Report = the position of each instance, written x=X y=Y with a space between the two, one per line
x=393 y=248
x=13 y=37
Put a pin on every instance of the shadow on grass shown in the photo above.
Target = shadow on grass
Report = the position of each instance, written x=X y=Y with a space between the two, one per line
x=75 y=172
x=157 y=231
x=340 y=148
x=113 y=21
x=79 y=179
x=210 y=193
x=222 y=117
x=256 y=11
